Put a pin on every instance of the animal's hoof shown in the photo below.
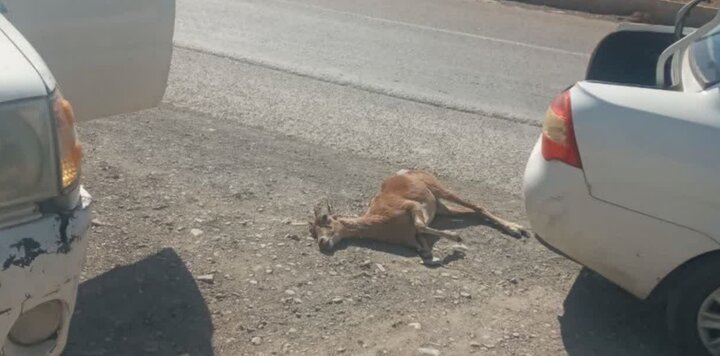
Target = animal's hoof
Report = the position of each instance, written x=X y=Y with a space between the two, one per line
x=459 y=247
x=519 y=233
x=432 y=262
x=527 y=233
x=453 y=236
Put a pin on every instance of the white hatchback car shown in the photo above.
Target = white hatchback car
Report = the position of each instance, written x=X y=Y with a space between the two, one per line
x=625 y=178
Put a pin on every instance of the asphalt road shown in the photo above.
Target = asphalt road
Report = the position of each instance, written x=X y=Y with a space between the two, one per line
x=274 y=104
x=487 y=70
x=471 y=55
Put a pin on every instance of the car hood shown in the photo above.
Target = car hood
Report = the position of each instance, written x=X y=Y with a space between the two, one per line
x=18 y=76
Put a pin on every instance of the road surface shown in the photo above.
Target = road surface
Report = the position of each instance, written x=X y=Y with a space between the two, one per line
x=273 y=106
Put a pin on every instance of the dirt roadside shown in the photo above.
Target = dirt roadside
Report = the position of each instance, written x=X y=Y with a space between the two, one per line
x=194 y=250
x=192 y=254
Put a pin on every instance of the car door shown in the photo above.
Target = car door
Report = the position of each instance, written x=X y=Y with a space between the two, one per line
x=107 y=56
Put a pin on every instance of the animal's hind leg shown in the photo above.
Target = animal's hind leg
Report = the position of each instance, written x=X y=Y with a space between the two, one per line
x=445 y=210
x=420 y=219
x=510 y=228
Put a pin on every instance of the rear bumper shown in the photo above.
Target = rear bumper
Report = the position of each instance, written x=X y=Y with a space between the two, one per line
x=630 y=249
x=41 y=261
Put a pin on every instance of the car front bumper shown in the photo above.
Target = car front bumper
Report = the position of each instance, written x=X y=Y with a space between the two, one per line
x=41 y=261
x=632 y=250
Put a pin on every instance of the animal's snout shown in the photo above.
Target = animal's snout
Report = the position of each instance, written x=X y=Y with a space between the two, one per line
x=325 y=243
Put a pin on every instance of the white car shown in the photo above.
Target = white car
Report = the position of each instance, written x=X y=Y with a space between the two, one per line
x=109 y=57
x=625 y=178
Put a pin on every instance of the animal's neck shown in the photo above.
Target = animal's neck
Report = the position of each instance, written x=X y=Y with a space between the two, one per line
x=360 y=226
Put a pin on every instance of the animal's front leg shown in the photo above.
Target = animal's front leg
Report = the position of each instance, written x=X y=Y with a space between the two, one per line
x=450 y=235
x=424 y=249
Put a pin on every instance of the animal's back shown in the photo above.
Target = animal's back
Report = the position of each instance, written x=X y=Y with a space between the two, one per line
x=406 y=185
x=399 y=192
x=408 y=181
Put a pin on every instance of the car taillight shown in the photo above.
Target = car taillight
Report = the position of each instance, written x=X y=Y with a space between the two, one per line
x=558 y=135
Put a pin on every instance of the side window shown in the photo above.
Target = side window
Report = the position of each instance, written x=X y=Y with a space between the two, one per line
x=704 y=58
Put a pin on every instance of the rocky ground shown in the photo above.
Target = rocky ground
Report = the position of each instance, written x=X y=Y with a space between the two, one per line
x=199 y=248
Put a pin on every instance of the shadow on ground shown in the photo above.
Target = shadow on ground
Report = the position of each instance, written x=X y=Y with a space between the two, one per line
x=443 y=223
x=150 y=307
x=460 y=222
x=602 y=319
x=392 y=249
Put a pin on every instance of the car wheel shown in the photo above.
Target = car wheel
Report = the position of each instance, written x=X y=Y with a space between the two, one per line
x=693 y=310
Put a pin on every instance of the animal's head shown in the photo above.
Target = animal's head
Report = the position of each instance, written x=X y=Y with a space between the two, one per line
x=324 y=227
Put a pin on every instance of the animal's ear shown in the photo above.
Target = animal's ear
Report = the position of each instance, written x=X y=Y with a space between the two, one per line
x=316 y=212
x=311 y=229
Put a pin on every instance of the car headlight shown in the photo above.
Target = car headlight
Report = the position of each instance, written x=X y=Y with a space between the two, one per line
x=28 y=170
x=40 y=154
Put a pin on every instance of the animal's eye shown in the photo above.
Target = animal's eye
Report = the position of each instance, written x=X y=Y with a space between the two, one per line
x=325 y=219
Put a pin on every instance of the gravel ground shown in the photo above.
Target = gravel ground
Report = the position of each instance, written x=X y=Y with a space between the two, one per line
x=198 y=248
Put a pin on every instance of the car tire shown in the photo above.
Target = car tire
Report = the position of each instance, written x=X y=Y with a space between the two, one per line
x=693 y=293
